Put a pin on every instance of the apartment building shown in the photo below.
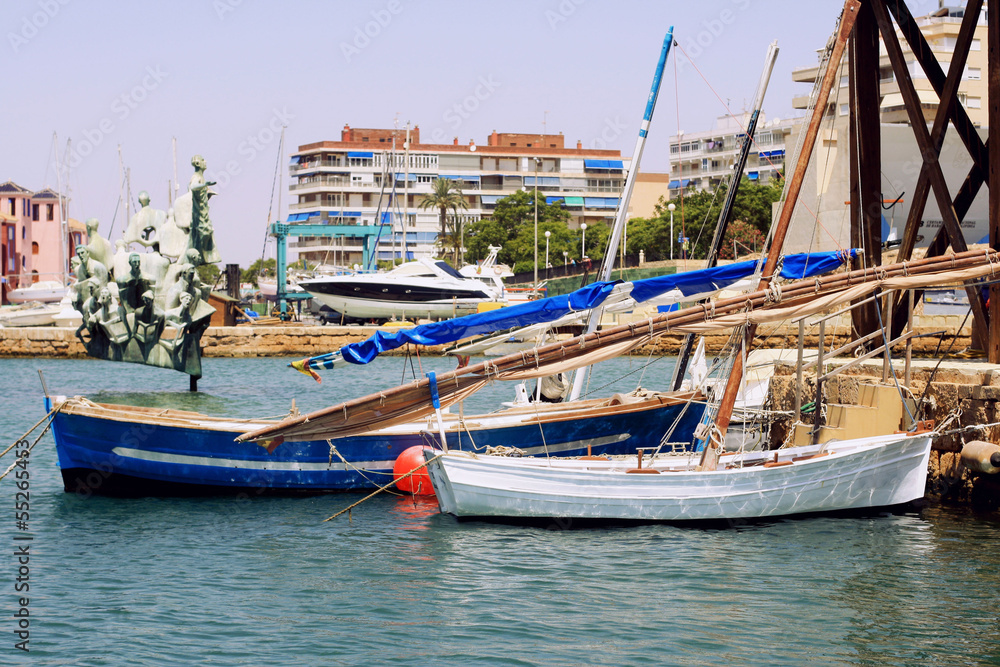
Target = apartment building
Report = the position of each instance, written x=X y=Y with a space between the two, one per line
x=30 y=245
x=703 y=160
x=361 y=180
x=940 y=29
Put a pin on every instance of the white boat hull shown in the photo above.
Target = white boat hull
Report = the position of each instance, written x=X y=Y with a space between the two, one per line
x=30 y=317
x=366 y=308
x=43 y=292
x=871 y=472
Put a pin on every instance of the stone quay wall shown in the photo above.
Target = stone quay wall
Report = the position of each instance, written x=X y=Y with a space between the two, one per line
x=962 y=393
x=306 y=340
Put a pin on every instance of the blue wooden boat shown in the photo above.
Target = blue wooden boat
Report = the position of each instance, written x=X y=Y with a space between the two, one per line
x=133 y=451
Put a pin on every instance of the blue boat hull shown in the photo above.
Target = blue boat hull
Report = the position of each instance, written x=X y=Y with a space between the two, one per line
x=116 y=454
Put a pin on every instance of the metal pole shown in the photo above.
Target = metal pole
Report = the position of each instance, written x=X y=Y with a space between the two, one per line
x=909 y=341
x=406 y=187
x=537 y=162
x=671 y=207
x=620 y=217
x=798 y=371
x=818 y=405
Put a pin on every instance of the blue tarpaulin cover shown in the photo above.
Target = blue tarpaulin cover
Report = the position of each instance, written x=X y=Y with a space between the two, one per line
x=794 y=267
x=449 y=331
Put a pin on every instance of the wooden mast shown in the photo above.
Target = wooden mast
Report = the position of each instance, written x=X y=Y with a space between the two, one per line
x=831 y=75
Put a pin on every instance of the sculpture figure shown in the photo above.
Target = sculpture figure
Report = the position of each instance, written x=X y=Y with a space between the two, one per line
x=201 y=232
x=91 y=277
x=132 y=285
x=100 y=247
x=144 y=227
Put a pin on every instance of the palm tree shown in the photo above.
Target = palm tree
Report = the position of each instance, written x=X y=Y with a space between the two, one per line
x=445 y=194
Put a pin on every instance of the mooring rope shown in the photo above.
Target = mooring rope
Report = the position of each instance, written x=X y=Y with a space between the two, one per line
x=383 y=488
x=45 y=430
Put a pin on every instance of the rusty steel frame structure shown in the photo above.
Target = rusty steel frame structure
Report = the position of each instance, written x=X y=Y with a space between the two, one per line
x=874 y=20
x=862 y=23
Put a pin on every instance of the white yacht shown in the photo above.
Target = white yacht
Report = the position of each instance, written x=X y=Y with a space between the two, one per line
x=423 y=288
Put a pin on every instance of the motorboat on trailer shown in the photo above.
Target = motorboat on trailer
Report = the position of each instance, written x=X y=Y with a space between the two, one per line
x=423 y=288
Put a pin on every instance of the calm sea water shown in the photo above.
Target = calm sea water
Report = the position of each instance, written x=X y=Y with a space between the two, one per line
x=264 y=581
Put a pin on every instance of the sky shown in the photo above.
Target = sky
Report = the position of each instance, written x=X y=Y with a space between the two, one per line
x=115 y=82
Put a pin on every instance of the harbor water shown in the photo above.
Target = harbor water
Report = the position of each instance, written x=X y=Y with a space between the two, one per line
x=264 y=581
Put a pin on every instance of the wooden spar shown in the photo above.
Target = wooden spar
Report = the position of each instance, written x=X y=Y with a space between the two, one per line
x=865 y=153
x=831 y=75
x=727 y=208
x=792 y=293
x=621 y=217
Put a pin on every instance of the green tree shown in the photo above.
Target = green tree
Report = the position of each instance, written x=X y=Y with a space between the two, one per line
x=512 y=226
x=445 y=195
x=696 y=218
x=208 y=273
x=267 y=267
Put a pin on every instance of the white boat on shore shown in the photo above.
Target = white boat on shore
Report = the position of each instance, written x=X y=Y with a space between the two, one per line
x=852 y=474
x=29 y=315
x=45 y=291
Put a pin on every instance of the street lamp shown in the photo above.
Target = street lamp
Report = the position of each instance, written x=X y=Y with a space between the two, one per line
x=565 y=258
x=547 y=235
x=583 y=241
x=537 y=164
x=671 y=207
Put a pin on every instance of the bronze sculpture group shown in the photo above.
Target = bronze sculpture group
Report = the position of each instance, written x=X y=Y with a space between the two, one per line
x=149 y=307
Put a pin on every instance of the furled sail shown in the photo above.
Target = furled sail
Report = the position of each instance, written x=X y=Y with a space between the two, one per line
x=413 y=400
x=687 y=286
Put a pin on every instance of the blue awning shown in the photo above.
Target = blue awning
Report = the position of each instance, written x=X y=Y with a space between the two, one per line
x=673 y=185
x=600 y=202
x=351 y=214
x=295 y=159
x=451 y=177
x=403 y=177
x=386 y=218
x=314 y=214
x=553 y=200
x=297 y=217
x=552 y=308
x=604 y=164
x=489 y=199
x=685 y=182
x=542 y=180
x=360 y=154
x=752 y=175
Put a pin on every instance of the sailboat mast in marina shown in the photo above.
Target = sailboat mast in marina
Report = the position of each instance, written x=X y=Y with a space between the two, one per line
x=621 y=216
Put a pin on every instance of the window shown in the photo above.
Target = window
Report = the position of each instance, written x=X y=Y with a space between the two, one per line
x=976 y=45
x=974 y=102
x=489 y=164
x=508 y=164
x=13 y=206
x=424 y=178
x=844 y=109
x=34 y=247
x=50 y=212
x=973 y=73
x=34 y=212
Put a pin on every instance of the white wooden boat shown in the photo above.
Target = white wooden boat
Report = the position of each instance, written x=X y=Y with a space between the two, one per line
x=851 y=474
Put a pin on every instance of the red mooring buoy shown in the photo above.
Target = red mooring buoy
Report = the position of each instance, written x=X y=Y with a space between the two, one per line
x=419 y=483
